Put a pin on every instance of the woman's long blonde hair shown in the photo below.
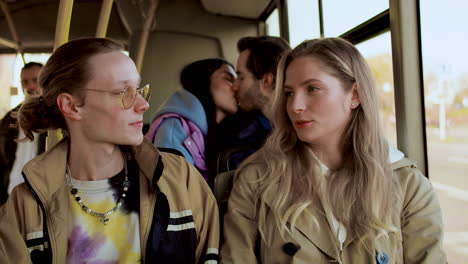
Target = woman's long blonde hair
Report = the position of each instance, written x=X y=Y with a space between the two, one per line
x=360 y=193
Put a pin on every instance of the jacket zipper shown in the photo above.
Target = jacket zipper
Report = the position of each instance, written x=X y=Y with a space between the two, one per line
x=44 y=220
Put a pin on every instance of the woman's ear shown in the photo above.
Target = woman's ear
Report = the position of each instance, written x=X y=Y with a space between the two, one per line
x=69 y=106
x=355 y=100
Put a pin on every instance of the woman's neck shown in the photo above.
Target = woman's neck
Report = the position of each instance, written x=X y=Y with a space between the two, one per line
x=329 y=154
x=94 y=162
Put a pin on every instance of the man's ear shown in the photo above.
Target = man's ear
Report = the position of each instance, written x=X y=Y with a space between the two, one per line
x=267 y=85
x=69 y=106
x=355 y=100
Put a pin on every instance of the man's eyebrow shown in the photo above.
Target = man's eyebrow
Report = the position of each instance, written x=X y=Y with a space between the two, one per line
x=129 y=81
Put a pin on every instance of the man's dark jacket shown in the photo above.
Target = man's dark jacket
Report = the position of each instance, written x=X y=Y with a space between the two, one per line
x=241 y=135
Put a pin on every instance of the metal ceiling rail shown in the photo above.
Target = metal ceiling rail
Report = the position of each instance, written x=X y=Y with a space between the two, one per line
x=106 y=9
x=8 y=43
x=11 y=26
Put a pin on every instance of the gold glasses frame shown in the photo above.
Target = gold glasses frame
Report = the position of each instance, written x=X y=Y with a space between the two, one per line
x=128 y=99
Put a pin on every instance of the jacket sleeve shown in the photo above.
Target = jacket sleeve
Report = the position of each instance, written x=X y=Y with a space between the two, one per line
x=171 y=134
x=13 y=247
x=206 y=217
x=240 y=223
x=421 y=221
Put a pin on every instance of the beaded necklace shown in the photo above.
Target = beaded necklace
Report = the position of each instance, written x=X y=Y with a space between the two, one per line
x=104 y=216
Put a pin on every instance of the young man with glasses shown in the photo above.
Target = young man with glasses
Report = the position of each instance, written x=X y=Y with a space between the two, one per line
x=104 y=193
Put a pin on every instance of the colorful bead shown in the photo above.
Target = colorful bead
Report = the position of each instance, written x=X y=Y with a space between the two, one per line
x=104 y=219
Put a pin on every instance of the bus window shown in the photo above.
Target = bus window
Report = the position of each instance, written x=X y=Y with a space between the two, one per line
x=6 y=88
x=340 y=16
x=272 y=24
x=444 y=49
x=303 y=18
x=378 y=53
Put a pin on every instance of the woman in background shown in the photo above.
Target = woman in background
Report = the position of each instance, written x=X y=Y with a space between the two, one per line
x=327 y=187
x=187 y=122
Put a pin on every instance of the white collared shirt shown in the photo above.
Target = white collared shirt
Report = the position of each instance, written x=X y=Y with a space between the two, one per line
x=25 y=151
x=338 y=229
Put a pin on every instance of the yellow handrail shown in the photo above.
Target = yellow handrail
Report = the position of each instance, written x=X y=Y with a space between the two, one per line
x=62 y=32
x=106 y=9
x=145 y=34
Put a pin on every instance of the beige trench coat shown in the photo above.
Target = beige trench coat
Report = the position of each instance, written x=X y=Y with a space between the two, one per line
x=419 y=239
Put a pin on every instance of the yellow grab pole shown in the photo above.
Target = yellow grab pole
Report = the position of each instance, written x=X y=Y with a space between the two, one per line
x=145 y=34
x=62 y=31
x=63 y=22
x=104 y=18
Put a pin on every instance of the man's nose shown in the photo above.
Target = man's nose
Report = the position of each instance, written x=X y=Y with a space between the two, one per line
x=141 y=105
x=235 y=85
x=33 y=86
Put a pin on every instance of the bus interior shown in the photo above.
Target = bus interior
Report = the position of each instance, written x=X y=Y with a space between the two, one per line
x=414 y=48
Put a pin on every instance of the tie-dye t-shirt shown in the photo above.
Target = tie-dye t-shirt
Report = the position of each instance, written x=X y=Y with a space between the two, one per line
x=89 y=240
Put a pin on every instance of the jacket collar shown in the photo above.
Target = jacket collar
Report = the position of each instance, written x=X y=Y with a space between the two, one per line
x=46 y=173
x=397 y=158
x=314 y=224
x=145 y=152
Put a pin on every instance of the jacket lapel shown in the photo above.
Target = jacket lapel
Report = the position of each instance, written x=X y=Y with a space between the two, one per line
x=46 y=173
x=313 y=224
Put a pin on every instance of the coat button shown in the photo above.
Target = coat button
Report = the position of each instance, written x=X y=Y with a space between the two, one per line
x=189 y=143
x=290 y=248
x=382 y=258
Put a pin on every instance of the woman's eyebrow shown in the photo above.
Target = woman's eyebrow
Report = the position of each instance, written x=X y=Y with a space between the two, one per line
x=312 y=80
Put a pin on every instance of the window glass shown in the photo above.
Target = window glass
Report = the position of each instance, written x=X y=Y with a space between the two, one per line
x=444 y=45
x=6 y=72
x=340 y=16
x=10 y=79
x=272 y=24
x=378 y=54
x=304 y=21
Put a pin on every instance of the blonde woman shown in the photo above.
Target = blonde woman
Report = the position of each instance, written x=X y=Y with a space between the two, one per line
x=103 y=194
x=326 y=187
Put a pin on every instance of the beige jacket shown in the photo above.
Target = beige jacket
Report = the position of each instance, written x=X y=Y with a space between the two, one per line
x=419 y=239
x=186 y=226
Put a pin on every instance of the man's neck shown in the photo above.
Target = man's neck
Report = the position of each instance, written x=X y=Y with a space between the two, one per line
x=266 y=111
x=90 y=162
